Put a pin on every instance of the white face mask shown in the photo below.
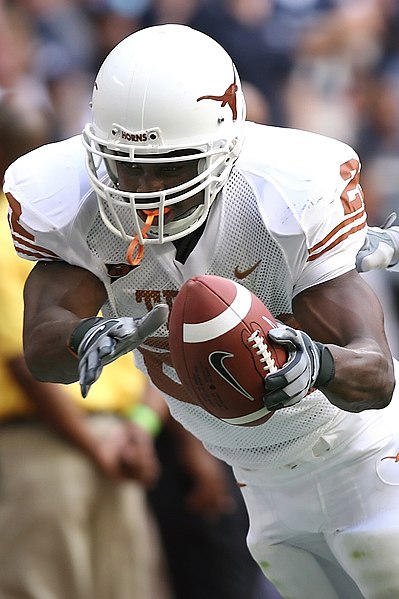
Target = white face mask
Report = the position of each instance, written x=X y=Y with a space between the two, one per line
x=163 y=90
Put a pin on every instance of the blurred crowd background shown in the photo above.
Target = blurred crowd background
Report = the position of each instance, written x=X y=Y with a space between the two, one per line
x=328 y=66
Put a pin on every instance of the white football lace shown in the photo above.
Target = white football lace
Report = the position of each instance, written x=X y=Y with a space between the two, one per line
x=257 y=340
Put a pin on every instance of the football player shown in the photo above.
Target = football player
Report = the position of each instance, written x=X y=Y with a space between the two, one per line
x=171 y=182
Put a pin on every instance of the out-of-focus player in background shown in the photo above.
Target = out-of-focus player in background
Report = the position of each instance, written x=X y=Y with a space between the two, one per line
x=73 y=515
x=171 y=182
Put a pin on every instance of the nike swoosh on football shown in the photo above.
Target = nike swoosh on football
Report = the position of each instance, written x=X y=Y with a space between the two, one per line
x=243 y=274
x=216 y=360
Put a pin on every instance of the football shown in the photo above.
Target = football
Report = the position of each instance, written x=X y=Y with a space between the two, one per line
x=220 y=350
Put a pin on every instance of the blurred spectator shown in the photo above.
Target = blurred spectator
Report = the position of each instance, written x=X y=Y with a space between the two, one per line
x=258 y=110
x=55 y=40
x=73 y=515
x=240 y=27
x=260 y=35
x=112 y=21
x=172 y=11
x=17 y=75
x=331 y=55
x=203 y=523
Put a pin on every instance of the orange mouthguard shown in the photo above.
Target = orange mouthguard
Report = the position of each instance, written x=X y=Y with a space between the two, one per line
x=132 y=259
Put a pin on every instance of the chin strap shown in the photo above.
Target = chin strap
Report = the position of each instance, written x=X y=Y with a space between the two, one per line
x=135 y=244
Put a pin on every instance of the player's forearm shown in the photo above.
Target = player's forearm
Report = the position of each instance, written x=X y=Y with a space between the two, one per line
x=345 y=314
x=46 y=347
x=364 y=378
x=57 y=296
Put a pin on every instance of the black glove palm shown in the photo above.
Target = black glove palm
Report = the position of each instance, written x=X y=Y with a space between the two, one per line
x=310 y=364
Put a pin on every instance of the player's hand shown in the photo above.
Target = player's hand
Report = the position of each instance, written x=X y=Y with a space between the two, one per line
x=381 y=248
x=126 y=451
x=99 y=341
x=309 y=364
x=138 y=458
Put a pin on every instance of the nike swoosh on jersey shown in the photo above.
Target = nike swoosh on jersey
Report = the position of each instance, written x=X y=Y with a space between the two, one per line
x=243 y=274
x=216 y=360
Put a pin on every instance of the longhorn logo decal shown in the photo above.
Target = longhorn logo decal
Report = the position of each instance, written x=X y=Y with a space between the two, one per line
x=229 y=97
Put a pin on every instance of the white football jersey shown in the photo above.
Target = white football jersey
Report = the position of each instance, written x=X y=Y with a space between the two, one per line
x=290 y=216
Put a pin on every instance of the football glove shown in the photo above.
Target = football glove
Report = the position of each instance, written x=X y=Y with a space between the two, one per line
x=309 y=365
x=99 y=341
x=381 y=248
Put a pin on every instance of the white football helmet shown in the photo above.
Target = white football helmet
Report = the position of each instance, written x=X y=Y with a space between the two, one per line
x=163 y=89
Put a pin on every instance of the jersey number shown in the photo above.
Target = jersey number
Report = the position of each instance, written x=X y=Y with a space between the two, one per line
x=352 y=196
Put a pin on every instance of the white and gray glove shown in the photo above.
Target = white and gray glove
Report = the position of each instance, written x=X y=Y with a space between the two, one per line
x=309 y=364
x=381 y=248
x=99 y=341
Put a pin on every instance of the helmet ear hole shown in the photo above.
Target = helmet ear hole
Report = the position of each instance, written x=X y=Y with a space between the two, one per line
x=110 y=165
x=202 y=165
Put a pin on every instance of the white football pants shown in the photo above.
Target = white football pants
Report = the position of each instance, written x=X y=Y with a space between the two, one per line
x=328 y=525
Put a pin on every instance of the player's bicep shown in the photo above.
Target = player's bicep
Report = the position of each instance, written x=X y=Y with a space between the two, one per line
x=59 y=287
x=341 y=311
